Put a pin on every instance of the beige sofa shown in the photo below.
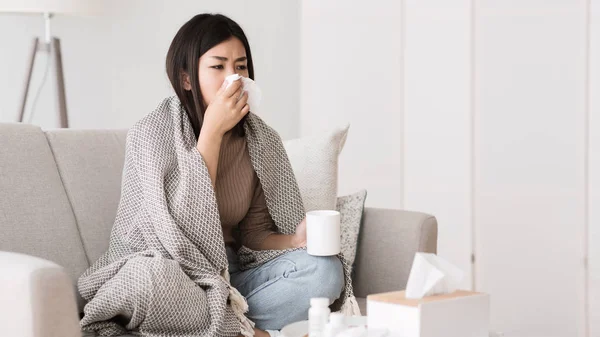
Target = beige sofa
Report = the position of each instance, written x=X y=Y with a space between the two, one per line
x=59 y=192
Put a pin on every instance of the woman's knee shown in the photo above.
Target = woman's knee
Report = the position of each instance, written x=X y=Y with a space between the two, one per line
x=326 y=275
x=330 y=272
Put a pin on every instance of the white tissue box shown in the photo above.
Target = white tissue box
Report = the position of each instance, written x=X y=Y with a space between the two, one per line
x=458 y=314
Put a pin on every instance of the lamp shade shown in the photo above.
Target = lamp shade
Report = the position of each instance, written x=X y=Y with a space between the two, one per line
x=84 y=7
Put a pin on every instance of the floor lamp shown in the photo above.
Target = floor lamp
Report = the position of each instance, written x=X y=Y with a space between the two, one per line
x=50 y=44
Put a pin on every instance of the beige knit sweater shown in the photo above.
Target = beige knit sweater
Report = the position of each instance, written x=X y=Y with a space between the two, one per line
x=244 y=214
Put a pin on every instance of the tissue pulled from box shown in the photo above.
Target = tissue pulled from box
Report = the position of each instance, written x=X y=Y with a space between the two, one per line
x=250 y=87
x=432 y=275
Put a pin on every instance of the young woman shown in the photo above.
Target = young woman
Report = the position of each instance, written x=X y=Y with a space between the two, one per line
x=279 y=291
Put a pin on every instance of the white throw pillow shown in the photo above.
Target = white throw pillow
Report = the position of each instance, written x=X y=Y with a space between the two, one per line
x=314 y=160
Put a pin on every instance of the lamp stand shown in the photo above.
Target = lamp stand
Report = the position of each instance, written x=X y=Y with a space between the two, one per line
x=52 y=46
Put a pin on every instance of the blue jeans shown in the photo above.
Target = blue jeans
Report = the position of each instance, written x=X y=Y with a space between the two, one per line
x=279 y=292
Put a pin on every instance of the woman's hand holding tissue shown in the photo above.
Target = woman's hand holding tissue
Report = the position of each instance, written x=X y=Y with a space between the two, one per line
x=226 y=110
x=250 y=87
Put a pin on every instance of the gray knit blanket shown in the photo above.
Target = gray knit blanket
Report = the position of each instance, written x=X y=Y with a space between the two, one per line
x=166 y=272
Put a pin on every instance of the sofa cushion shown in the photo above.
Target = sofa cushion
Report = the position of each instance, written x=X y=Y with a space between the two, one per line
x=90 y=164
x=314 y=160
x=35 y=214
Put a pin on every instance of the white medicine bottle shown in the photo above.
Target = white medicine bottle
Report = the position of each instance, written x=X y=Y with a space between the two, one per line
x=318 y=315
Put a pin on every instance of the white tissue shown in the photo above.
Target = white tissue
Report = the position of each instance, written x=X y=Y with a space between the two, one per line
x=251 y=88
x=432 y=275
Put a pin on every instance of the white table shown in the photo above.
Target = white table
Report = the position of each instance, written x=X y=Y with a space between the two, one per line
x=300 y=329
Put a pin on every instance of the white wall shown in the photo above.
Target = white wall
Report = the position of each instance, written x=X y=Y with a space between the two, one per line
x=530 y=163
x=114 y=63
x=352 y=73
x=437 y=116
x=594 y=171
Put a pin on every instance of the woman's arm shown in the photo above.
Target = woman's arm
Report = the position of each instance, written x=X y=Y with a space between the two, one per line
x=258 y=231
x=222 y=114
x=282 y=241
x=209 y=146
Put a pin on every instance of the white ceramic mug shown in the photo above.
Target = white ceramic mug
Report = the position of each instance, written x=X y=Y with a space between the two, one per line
x=323 y=237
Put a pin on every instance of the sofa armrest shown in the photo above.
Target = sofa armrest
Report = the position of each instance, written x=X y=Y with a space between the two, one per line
x=36 y=298
x=387 y=244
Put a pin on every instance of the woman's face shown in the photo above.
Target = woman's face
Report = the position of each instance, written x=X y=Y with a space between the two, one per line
x=222 y=60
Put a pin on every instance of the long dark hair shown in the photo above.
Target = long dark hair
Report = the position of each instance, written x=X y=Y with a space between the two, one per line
x=194 y=38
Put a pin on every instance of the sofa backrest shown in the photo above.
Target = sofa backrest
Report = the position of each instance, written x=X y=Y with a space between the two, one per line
x=90 y=163
x=35 y=213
